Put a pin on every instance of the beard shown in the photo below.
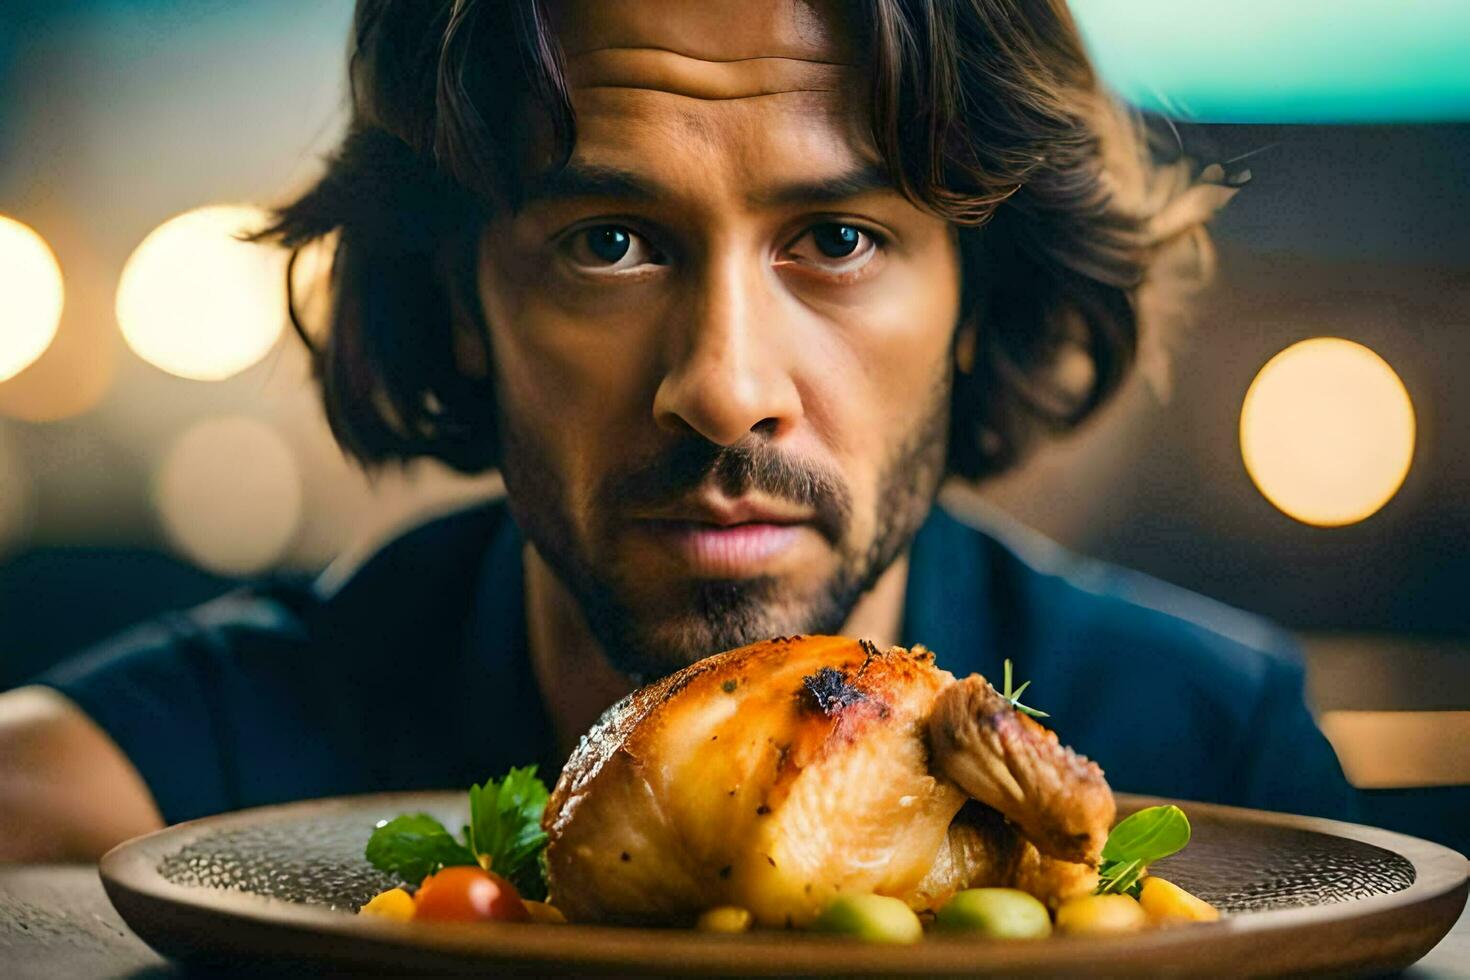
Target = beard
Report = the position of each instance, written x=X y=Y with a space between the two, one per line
x=705 y=616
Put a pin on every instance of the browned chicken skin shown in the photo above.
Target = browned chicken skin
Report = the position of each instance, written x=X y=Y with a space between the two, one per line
x=782 y=774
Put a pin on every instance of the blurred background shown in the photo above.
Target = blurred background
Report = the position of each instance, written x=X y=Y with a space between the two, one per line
x=1299 y=449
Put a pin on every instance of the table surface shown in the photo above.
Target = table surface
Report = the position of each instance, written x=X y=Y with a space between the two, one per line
x=55 y=921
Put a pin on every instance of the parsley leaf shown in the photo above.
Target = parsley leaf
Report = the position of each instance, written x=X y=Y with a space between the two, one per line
x=504 y=835
x=1149 y=835
x=415 y=846
x=505 y=826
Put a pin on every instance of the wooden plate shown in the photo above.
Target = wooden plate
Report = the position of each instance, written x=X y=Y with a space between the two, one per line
x=277 y=885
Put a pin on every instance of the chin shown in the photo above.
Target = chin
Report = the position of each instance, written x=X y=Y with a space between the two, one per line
x=713 y=616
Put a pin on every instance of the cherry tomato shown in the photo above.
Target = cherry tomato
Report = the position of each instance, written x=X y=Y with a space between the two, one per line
x=468 y=894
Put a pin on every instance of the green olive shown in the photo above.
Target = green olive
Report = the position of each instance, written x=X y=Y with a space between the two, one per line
x=876 y=918
x=1000 y=913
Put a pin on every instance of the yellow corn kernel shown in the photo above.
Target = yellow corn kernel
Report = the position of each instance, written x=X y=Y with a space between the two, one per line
x=395 y=904
x=1166 y=903
x=544 y=913
x=1100 y=915
x=725 y=918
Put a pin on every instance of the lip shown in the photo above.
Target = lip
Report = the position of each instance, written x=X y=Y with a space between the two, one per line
x=732 y=550
x=713 y=536
x=724 y=513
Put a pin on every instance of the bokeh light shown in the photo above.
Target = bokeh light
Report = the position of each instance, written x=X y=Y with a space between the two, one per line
x=31 y=297
x=196 y=301
x=1327 y=431
x=76 y=372
x=229 y=494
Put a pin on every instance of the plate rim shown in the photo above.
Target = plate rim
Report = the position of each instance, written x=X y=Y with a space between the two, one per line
x=130 y=876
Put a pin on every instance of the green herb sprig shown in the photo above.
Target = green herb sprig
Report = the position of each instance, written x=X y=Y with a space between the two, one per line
x=1147 y=836
x=504 y=835
x=505 y=825
x=1014 y=697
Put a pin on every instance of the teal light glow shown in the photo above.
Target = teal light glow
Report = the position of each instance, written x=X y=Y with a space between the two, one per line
x=1285 y=60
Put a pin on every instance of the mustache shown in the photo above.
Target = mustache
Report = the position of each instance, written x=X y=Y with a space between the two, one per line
x=680 y=470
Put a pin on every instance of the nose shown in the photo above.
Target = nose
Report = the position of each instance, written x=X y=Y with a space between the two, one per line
x=728 y=358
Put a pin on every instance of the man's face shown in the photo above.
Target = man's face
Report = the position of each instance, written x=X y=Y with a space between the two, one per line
x=722 y=343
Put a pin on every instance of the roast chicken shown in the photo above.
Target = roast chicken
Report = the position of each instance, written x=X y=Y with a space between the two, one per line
x=782 y=774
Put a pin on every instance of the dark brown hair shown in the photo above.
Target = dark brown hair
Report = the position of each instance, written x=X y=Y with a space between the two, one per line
x=986 y=112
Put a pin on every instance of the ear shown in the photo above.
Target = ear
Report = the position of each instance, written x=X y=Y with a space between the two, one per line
x=975 y=275
x=965 y=343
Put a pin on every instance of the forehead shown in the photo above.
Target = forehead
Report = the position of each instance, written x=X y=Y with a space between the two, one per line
x=814 y=31
x=731 y=92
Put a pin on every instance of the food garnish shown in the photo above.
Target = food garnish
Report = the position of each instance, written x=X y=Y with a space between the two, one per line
x=725 y=918
x=1014 y=697
x=1168 y=904
x=504 y=835
x=1149 y=835
x=996 y=913
x=1101 y=915
x=395 y=903
x=414 y=846
x=1126 y=900
x=465 y=893
x=875 y=918
x=543 y=913
x=505 y=826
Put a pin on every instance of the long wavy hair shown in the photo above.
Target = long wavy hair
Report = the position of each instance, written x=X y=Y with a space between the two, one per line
x=985 y=112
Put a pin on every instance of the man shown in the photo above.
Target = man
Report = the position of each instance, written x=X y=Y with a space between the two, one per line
x=725 y=290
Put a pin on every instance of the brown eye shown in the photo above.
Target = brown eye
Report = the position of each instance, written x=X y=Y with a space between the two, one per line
x=609 y=243
x=837 y=241
x=835 y=247
x=611 y=248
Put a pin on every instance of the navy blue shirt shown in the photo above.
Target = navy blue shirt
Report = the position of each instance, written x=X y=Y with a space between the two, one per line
x=414 y=673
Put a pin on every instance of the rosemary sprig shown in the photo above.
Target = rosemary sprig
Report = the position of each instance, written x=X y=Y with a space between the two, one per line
x=1014 y=697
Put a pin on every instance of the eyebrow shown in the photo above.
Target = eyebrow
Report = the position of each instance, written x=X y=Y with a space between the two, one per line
x=583 y=180
x=577 y=180
x=861 y=179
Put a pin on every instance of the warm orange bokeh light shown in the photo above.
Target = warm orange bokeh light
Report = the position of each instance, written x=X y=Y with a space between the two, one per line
x=1327 y=431
x=229 y=494
x=197 y=302
x=75 y=373
x=31 y=297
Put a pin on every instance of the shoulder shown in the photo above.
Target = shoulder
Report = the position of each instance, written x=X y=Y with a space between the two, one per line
x=1162 y=626
x=419 y=578
x=1168 y=688
x=421 y=560
x=204 y=701
x=433 y=561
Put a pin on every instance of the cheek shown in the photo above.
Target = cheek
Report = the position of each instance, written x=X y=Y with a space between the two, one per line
x=887 y=347
x=576 y=382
